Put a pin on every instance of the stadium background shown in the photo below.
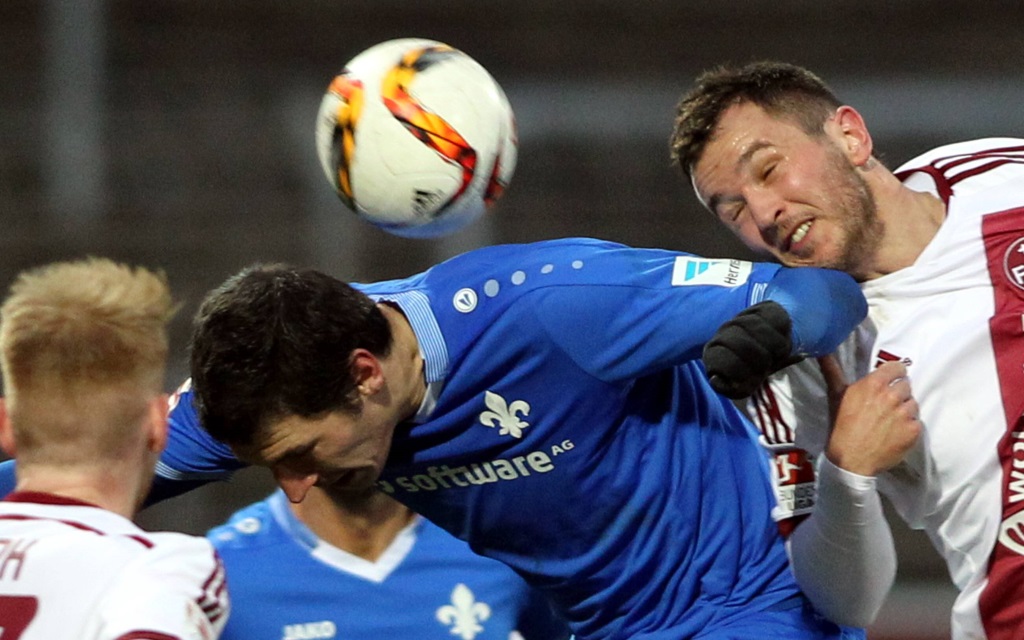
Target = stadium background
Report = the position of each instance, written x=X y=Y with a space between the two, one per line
x=178 y=134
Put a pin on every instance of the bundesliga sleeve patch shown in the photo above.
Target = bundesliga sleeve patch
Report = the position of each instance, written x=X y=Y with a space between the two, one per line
x=690 y=271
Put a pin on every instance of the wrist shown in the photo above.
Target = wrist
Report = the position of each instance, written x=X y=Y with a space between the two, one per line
x=844 y=496
x=850 y=464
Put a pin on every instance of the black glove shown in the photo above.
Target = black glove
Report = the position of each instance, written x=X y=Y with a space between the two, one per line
x=749 y=348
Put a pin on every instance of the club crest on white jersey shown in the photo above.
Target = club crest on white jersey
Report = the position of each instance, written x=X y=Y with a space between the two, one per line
x=1013 y=263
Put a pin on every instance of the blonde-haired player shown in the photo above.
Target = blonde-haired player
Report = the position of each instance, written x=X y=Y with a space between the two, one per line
x=83 y=350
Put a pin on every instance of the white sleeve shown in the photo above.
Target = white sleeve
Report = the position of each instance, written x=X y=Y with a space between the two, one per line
x=840 y=544
x=843 y=555
x=176 y=589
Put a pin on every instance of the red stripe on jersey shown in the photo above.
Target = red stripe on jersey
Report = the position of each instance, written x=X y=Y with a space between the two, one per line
x=789 y=525
x=40 y=497
x=945 y=191
x=146 y=635
x=769 y=417
x=211 y=600
x=793 y=467
x=942 y=170
x=143 y=541
x=21 y=517
x=988 y=166
x=1002 y=600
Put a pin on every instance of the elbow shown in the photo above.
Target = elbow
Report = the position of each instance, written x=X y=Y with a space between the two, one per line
x=847 y=617
x=850 y=602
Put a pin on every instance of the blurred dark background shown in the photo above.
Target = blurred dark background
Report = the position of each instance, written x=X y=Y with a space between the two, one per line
x=179 y=134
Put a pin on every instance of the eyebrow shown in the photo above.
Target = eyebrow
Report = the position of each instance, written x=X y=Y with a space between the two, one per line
x=751 y=150
x=278 y=457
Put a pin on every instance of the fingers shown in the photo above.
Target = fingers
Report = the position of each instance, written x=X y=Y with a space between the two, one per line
x=747 y=349
x=890 y=370
x=889 y=384
x=835 y=384
x=835 y=378
x=877 y=421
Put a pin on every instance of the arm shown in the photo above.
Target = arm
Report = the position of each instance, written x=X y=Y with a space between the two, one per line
x=7 y=477
x=803 y=312
x=650 y=310
x=537 y=620
x=192 y=458
x=843 y=555
x=842 y=552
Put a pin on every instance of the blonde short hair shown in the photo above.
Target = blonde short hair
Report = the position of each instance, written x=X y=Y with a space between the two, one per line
x=83 y=348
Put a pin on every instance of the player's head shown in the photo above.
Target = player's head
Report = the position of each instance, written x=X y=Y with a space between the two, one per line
x=782 y=90
x=774 y=154
x=277 y=367
x=83 y=350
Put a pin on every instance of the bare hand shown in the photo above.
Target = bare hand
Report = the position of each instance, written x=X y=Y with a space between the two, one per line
x=874 y=420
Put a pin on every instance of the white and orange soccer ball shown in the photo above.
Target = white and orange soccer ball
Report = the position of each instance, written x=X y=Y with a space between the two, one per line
x=416 y=137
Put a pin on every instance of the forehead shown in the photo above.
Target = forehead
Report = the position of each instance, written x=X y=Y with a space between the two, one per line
x=279 y=438
x=745 y=125
x=742 y=130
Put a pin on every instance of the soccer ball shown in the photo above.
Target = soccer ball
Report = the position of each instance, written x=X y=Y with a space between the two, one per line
x=416 y=137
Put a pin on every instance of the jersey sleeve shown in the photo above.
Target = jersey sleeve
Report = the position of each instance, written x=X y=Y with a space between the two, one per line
x=175 y=590
x=649 y=310
x=192 y=457
x=538 y=621
x=792 y=404
x=840 y=544
x=8 y=478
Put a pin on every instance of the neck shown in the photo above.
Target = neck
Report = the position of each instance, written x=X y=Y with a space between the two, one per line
x=404 y=364
x=107 y=487
x=911 y=219
x=363 y=524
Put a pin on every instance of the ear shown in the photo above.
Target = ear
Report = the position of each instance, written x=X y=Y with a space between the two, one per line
x=853 y=134
x=6 y=431
x=156 y=423
x=367 y=372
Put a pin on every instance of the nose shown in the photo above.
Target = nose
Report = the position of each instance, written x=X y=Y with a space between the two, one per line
x=294 y=484
x=765 y=207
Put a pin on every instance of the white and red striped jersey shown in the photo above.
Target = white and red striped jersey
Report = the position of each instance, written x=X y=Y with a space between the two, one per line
x=956 y=318
x=70 y=570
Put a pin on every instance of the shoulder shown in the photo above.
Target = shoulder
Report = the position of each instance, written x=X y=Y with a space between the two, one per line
x=246 y=528
x=178 y=584
x=960 y=161
x=965 y=149
x=439 y=548
x=173 y=549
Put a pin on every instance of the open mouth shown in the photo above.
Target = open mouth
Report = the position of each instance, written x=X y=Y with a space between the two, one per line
x=798 y=234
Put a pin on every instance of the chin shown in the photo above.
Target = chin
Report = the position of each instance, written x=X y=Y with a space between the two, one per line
x=356 y=482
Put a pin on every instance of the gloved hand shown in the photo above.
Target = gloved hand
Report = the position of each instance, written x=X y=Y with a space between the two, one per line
x=747 y=349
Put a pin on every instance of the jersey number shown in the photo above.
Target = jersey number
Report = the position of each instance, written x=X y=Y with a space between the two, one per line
x=15 y=614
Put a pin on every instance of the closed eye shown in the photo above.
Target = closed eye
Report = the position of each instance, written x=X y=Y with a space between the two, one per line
x=733 y=213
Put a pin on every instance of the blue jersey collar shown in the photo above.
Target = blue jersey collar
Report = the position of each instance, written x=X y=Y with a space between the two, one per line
x=340 y=559
x=416 y=307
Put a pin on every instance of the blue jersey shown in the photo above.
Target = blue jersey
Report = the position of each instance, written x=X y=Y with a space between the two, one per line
x=287 y=584
x=569 y=431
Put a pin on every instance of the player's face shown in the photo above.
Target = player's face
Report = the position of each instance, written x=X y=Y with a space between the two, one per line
x=785 y=193
x=340 y=451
